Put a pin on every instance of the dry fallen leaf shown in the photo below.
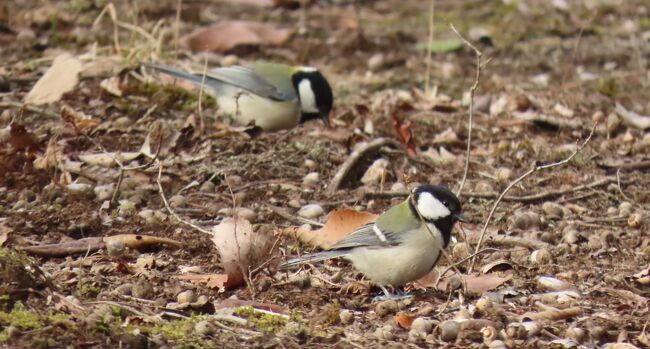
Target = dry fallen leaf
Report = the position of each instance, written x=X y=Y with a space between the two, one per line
x=218 y=281
x=340 y=223
x=22 y=140
x=240 y=248
x=226 y=35
x=403 y=129
x=643 y=277
x=404 y=320
x=633 y=119
x=53 y=154
x=60 y=78
x=4 y=232
x=475 y=283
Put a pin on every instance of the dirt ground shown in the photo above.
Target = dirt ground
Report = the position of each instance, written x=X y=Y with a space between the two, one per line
x=566 y=257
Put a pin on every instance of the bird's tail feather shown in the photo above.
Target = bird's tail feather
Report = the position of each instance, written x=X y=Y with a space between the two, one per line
x=316 y=257
x=175 y=72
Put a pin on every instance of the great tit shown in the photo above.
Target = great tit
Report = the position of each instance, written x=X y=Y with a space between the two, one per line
x=271 y=96
x=403 y=244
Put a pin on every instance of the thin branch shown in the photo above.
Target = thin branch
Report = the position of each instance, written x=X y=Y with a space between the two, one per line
x=472 y=91
x=354 y=157
x=169 y=209
x=427 y=77
x=534 y=169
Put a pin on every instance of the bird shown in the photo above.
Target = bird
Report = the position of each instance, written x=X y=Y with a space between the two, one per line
x=403 y=244
x=271 y=96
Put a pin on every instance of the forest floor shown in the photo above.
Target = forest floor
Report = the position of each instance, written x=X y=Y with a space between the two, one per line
x=565 y=261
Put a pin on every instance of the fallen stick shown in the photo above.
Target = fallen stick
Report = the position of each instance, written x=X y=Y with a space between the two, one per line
x=352 y=160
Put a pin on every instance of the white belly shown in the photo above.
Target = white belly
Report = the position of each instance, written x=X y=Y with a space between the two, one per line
x=400 y=264
x=246 y=108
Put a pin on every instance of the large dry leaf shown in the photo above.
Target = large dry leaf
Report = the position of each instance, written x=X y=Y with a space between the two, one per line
x=62 y=77
x=226 y=35
x=340 y=223
x=240 y=248
x=474 y=283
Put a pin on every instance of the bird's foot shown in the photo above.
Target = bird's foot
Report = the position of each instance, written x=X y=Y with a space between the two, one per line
x=398 y=295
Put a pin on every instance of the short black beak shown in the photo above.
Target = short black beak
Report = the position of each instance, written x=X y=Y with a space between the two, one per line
x=461 y=218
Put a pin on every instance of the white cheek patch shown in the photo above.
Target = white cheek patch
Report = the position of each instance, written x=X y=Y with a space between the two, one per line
x=307 y=97
x=431 y=208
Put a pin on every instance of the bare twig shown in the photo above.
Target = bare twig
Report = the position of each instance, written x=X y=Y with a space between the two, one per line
x=427 y=77
x=356 y=155
x=293 y=219
x=169 y=209
x=618 y=185
x=472 y=90
x=524 y=198
x=534 y=169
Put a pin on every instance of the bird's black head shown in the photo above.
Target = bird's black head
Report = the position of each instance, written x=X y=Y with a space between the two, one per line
x=315 y=93
x=438 y=205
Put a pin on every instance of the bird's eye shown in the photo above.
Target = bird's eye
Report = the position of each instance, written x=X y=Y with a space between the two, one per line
x=444 y=202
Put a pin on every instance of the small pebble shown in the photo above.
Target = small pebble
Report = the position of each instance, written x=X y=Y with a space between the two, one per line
x=553 y=284
x=234 y=181
x=625 y=208
x=186 y=297
x=541 y=256
x=177 y=201
x=104 y=192
x=483 y=303
x=246 y=213
x=483 y=187
x=312 y=178
x=576 y=333
x=398 y=187
x=204 y=328
x=572 y=237
x=553 y=210
x=449 y=330
x=503 y=174
x=612 y=211
x=311 y=211
x=385 y=332
x=295 y=203
x=635 y=220
x=594 y=243
x=142 y=289
x=613 y=122
x=346 y=316
x=376 y=61
x=310 y=164
x=124 y=289
x=386 y=307
x=460 y=251
x=207 y=187
x=422 y=325
x=115 y=247
x=122 y=122
x=79 y=188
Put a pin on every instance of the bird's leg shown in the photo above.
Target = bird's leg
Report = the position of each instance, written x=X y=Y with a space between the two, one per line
x=400 y=294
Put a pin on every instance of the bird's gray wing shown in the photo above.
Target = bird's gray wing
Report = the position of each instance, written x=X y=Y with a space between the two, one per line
x=368 y=235
x=247 y=79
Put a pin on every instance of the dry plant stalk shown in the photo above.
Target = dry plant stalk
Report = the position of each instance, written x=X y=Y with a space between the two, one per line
x=472 y=90
x=169 y=209
x=534 y=169
x=554 y=314
x=427 y=77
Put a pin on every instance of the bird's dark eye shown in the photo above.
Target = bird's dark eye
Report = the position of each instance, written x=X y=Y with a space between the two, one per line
x=444 y=202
